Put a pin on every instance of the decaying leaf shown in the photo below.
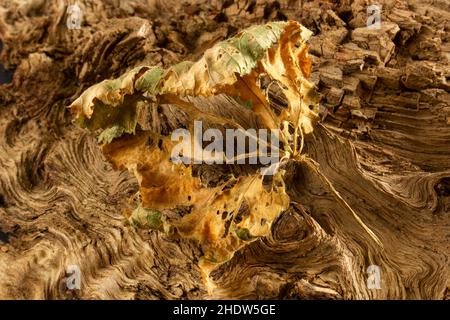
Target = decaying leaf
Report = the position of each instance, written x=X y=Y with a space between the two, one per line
x=232 y=67
x=224 y=217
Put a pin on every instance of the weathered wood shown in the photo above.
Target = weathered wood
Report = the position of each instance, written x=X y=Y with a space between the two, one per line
x=384 y=144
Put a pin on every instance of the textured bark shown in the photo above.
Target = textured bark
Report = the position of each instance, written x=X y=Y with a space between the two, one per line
x=384 y=143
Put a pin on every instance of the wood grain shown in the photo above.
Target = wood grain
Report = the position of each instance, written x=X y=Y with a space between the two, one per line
x=384 y=142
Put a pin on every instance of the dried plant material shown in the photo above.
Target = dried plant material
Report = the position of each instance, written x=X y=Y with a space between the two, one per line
x=231 y=67
x=234 y=68
x=382 y=142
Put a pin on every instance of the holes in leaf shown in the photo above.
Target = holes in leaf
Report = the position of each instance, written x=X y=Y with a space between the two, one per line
x=243 y=212
x=181 y=211
x=224 y=215
x=277 y=98
x=268 y=182
x=227 y=228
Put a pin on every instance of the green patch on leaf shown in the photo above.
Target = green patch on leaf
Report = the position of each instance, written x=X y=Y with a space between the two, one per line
x=108 y=135
x=244 y=234
x=154 y=219
x=106 y=116
x=247 y=47
x=149 y=81
x=147 y=218
x=245 y=103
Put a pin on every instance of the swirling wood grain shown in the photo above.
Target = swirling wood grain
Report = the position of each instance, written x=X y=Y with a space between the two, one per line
x=384 y=143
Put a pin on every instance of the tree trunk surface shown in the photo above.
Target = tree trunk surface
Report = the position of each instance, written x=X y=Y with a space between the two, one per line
x=384 y=143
